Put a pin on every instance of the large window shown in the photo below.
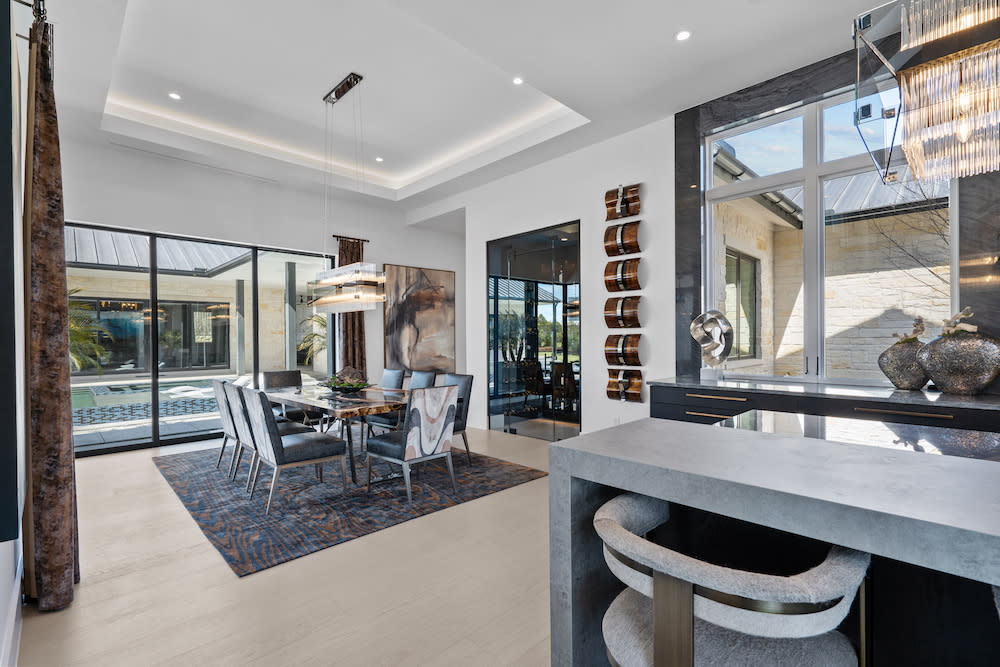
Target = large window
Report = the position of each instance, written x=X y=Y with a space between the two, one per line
x=816 y=261
x=195 y=300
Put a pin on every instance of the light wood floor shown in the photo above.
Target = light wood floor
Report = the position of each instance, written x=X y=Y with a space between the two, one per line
x=464 y=586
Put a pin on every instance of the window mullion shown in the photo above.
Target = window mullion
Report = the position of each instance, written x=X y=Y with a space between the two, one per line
x=812 y=266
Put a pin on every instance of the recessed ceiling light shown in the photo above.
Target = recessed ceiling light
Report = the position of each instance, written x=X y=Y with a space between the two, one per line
x=564 y=238
x=378 y=159
x=518 y=81
x=683 y=36
x=174 y=96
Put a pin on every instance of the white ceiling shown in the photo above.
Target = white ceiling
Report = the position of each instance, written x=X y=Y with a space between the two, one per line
x=437 y=101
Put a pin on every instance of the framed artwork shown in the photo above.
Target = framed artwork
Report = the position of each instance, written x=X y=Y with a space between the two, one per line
x=419 y=319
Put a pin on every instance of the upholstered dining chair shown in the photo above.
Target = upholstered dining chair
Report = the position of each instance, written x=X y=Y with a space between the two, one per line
x=733 y=616
x=996 y=597
x=422 y=379
x=392 y=378
x=464 y=384
x=426 y=435
x=244 y=438
x=225 y=416
x=289 y=379
x=290 y=451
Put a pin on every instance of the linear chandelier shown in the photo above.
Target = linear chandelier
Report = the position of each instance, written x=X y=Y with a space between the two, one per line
x=359 y=286
x=947 y=69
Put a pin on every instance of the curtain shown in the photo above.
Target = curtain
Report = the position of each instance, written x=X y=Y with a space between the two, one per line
x=352 y=325
x=52 y=557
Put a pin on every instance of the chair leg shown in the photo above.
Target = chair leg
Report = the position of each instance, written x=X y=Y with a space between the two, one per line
x=451 y=471
x=274 y=485
x=368 y=492
x=406 y=478
x=465 y=439
x=225 y=441
x=254 y=462
x=343 y=470
x=236 y=463
x=318 y=471
x=256 y=476
x=232 y=462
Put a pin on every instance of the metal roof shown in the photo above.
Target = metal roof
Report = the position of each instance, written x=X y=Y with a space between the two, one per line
x=513 y=290
x=119 y=251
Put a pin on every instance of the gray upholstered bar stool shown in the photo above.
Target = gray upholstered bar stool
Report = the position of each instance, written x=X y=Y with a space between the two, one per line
x=678 y=610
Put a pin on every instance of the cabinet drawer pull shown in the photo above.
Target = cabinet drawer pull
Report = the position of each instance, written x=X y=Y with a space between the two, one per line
x=904 y=413
x=706 y=414
x=718 y=398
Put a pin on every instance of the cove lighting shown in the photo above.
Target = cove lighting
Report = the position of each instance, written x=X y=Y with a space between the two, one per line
x=174 y=96
x=518 y=81
x=683 y=36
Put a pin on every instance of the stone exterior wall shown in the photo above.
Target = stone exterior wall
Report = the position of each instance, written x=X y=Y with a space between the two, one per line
x=880 y=274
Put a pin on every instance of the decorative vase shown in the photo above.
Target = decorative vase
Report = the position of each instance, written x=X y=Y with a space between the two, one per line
x=961 y=363
x=899 y=364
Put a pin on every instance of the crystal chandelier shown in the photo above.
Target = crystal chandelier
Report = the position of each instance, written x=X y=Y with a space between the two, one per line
x=351 y=288
x=947 y=68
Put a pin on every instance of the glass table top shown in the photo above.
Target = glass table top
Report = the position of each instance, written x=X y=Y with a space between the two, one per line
x=909 y=437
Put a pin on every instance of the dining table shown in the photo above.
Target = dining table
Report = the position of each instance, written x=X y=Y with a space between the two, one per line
x=346 y=407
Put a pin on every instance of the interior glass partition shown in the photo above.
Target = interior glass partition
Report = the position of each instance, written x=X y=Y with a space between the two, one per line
x=153 y=319
x=533 y=288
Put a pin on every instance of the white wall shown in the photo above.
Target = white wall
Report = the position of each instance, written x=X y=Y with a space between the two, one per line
x=568 y=188
x=124 y=187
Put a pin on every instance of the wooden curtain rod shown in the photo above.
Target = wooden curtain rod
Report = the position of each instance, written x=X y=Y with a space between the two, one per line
x=350 y=238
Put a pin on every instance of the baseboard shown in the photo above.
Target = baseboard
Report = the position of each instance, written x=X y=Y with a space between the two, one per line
x=10 y=640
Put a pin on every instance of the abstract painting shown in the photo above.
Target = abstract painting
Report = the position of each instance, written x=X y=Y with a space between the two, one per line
x=419 y=319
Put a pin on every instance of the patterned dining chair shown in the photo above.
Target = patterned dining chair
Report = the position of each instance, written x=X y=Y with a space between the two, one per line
x=226 y=416
x=290 y=451
x=426 y=435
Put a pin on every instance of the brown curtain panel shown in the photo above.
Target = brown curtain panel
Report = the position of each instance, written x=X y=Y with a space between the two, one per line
x=352 y=325
x=52 y=557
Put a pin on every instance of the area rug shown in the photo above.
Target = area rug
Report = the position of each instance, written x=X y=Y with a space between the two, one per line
x=307 y=515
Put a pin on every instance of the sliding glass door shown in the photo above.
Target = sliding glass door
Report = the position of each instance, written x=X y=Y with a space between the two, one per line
x=153 y=319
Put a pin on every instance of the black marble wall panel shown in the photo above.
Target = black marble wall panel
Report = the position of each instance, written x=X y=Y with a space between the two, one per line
x=979 y=248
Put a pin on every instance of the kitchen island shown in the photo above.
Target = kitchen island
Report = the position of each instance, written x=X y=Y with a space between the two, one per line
x=941 y=513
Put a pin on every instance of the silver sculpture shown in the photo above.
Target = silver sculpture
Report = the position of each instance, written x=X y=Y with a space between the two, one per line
x=713 y=332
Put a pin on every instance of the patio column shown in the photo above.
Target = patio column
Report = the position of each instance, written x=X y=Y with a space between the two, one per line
x=291 y=324
x=241 y=328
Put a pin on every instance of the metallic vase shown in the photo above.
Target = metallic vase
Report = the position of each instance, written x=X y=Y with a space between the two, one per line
x=899 y=364
x=961 y=363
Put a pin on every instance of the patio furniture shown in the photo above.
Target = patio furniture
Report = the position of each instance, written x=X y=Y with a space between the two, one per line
x=426 y=434
x=534 y=382
x=281 y=453
x=680 y=610
x=464 y=384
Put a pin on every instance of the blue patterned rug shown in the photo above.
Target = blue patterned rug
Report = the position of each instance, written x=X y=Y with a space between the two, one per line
x=307 y=515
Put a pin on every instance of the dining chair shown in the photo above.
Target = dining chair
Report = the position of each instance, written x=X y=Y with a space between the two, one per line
x=464 y=384
x=244 y=439
x=226 y=416
x=426 y=434
x=290 y=451
x=286 y=380
x=392 y=378
x=422 y=379
x=679 y=609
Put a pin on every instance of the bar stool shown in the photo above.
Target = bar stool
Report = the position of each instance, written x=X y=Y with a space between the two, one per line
x=678 y=610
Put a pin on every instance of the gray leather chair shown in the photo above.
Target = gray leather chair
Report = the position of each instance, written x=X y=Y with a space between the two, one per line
x=734 y=617
x=464 y=384
x=288 y=379
x=422 y=379
x=392 y=378
x=290 y=451
x=426 y=434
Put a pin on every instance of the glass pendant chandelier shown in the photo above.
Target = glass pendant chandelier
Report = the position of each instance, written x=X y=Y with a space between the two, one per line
x=947 y=68
x=353 y=287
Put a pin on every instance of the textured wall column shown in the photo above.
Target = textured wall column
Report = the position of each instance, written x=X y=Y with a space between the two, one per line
x=52 y=551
